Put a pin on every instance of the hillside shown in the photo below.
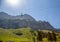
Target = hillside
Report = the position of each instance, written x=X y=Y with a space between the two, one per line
x=23 y=35
x=8 y=21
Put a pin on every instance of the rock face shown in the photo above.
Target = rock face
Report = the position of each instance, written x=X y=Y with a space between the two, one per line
x=8 y=21
x=4 y=15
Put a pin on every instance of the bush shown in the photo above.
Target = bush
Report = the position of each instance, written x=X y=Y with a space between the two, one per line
x=33 y=32
x=39 y=37
x=19 y=34
x=59 y=37
x=54 y=36
x=49 y=36
x=1 y=41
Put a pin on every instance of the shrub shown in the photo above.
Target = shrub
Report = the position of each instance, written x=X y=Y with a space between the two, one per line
x=39 y=37
x=19 y=34
x=49 y=36
x=1 y=41
x=54 y=36
x=59 y=37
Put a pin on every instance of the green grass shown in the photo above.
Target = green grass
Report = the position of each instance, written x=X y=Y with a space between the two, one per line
x=7 y=35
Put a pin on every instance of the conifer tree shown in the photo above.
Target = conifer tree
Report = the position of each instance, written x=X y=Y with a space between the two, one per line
x=54 y=36
x=49 y=36
x=39 y=37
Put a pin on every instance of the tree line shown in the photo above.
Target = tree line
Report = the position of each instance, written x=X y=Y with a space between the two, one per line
x=51 y=36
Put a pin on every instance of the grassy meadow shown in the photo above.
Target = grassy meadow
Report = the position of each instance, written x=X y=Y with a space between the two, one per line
x=22 y=35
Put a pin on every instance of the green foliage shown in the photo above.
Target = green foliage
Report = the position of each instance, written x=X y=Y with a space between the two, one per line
x=54 y=36
x=49 y=36
x=39 y=37
x=9 y=34
x=25 y=34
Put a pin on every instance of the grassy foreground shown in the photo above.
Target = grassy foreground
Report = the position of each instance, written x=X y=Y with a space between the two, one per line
x=9 y=35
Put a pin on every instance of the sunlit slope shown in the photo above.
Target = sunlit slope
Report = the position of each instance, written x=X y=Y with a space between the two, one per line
x=9 y=34
x=25 y=34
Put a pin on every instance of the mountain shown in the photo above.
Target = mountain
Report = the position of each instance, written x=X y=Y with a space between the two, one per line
x=4 y=15
x=8 y=21
x=57 y=30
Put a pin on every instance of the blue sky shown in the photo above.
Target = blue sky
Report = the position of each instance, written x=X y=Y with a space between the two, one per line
x=48 y=10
